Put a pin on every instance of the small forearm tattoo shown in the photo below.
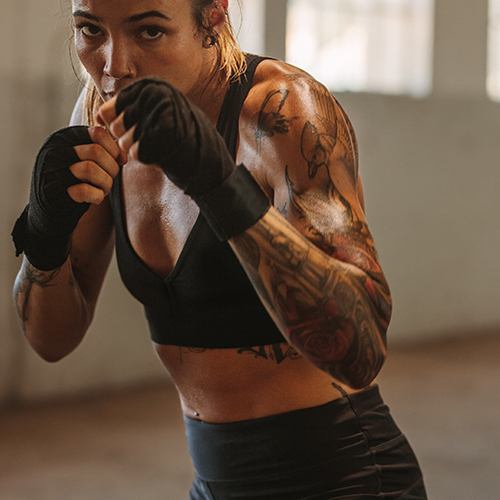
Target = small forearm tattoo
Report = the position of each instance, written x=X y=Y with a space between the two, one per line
x=32 y=277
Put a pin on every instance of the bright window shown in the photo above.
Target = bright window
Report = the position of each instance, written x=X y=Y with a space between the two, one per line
x=247 y=18
x=493 y=82
x=382 y=46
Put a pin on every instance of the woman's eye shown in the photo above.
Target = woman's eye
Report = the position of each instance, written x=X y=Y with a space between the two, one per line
x=90 y=30
x=151 y=33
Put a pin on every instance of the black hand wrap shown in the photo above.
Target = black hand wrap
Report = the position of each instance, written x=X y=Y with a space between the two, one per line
x=178 y=136
x=43 y=231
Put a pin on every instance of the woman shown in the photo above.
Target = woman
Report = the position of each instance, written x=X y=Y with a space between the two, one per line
x=260 y=281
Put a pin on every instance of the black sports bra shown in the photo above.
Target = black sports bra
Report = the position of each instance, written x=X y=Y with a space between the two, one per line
x=207 y=300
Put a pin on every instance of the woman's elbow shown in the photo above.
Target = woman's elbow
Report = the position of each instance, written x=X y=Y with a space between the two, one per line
x=50 y=348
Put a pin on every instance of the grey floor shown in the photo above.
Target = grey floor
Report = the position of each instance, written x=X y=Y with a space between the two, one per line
x=131 y=446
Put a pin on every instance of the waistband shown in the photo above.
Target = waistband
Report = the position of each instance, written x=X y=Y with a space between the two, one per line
x=289 y=441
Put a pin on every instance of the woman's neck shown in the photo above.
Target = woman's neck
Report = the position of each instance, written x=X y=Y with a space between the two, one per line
x=209 y=94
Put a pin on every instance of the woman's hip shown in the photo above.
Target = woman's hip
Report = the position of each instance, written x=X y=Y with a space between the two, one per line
x=350 y=446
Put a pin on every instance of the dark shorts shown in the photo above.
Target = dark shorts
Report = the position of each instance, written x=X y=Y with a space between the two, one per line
x=347 y=449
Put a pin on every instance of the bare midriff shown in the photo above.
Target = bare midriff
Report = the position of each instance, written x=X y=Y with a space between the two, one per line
x=229 y=385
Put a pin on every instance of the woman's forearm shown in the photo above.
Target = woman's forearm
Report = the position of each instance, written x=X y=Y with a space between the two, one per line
x=52 y=309
x=335 y=313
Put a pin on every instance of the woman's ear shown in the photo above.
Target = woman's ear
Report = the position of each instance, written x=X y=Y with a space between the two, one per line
x=216 y=17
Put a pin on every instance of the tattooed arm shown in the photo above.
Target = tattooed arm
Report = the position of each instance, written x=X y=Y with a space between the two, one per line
x=56 y=307
x=313 y=260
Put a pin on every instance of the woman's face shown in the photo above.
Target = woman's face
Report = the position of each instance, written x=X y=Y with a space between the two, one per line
x=120 y=41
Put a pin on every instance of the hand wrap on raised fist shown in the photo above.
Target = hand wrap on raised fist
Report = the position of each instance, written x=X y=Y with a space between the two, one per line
x=43 y=231
x=175 y=134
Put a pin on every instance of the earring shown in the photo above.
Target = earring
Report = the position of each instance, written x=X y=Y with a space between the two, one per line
x=210 y=41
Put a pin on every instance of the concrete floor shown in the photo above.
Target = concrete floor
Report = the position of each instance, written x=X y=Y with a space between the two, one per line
x=130 y=446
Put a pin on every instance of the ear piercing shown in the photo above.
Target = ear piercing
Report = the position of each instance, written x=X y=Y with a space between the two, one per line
x=209 y=41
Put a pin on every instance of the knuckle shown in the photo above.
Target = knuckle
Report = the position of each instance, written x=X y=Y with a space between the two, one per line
x=83 y=191
x=77 y=193
x=103 y=138
x=86 y=169
x=88 y=152
x=99 y=132
x=95 y=149
x=87 y=193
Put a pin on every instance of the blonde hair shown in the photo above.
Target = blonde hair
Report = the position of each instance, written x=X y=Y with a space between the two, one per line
x=231 y=61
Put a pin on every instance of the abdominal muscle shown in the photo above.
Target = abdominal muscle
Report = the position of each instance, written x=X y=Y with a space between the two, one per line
x=229 y=385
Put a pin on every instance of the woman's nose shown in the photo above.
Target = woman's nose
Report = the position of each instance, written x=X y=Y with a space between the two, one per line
x=119 y=61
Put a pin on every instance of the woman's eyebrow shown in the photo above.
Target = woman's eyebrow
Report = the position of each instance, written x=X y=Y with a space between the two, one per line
x=151 y=13
x=86 y=15
x=131 y=19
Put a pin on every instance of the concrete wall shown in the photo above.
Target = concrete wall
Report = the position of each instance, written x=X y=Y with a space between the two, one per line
x=429 y=169
x=37 y=92
x=431 y=177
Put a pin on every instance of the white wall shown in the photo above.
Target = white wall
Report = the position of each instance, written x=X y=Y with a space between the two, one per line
x=430 y=175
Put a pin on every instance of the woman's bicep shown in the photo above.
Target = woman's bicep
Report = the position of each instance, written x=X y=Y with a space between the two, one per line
x=308 y=157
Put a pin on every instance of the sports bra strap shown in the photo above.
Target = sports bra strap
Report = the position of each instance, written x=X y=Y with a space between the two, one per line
x=233 y=104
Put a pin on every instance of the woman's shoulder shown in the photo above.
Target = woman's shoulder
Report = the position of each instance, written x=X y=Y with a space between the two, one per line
x=272 y=70
x=279 y=81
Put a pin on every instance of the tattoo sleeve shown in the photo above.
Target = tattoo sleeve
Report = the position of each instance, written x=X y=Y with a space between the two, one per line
x=314 y=262
x=333 y=312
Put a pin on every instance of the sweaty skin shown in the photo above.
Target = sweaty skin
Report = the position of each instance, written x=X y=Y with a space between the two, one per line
x=311 y=258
